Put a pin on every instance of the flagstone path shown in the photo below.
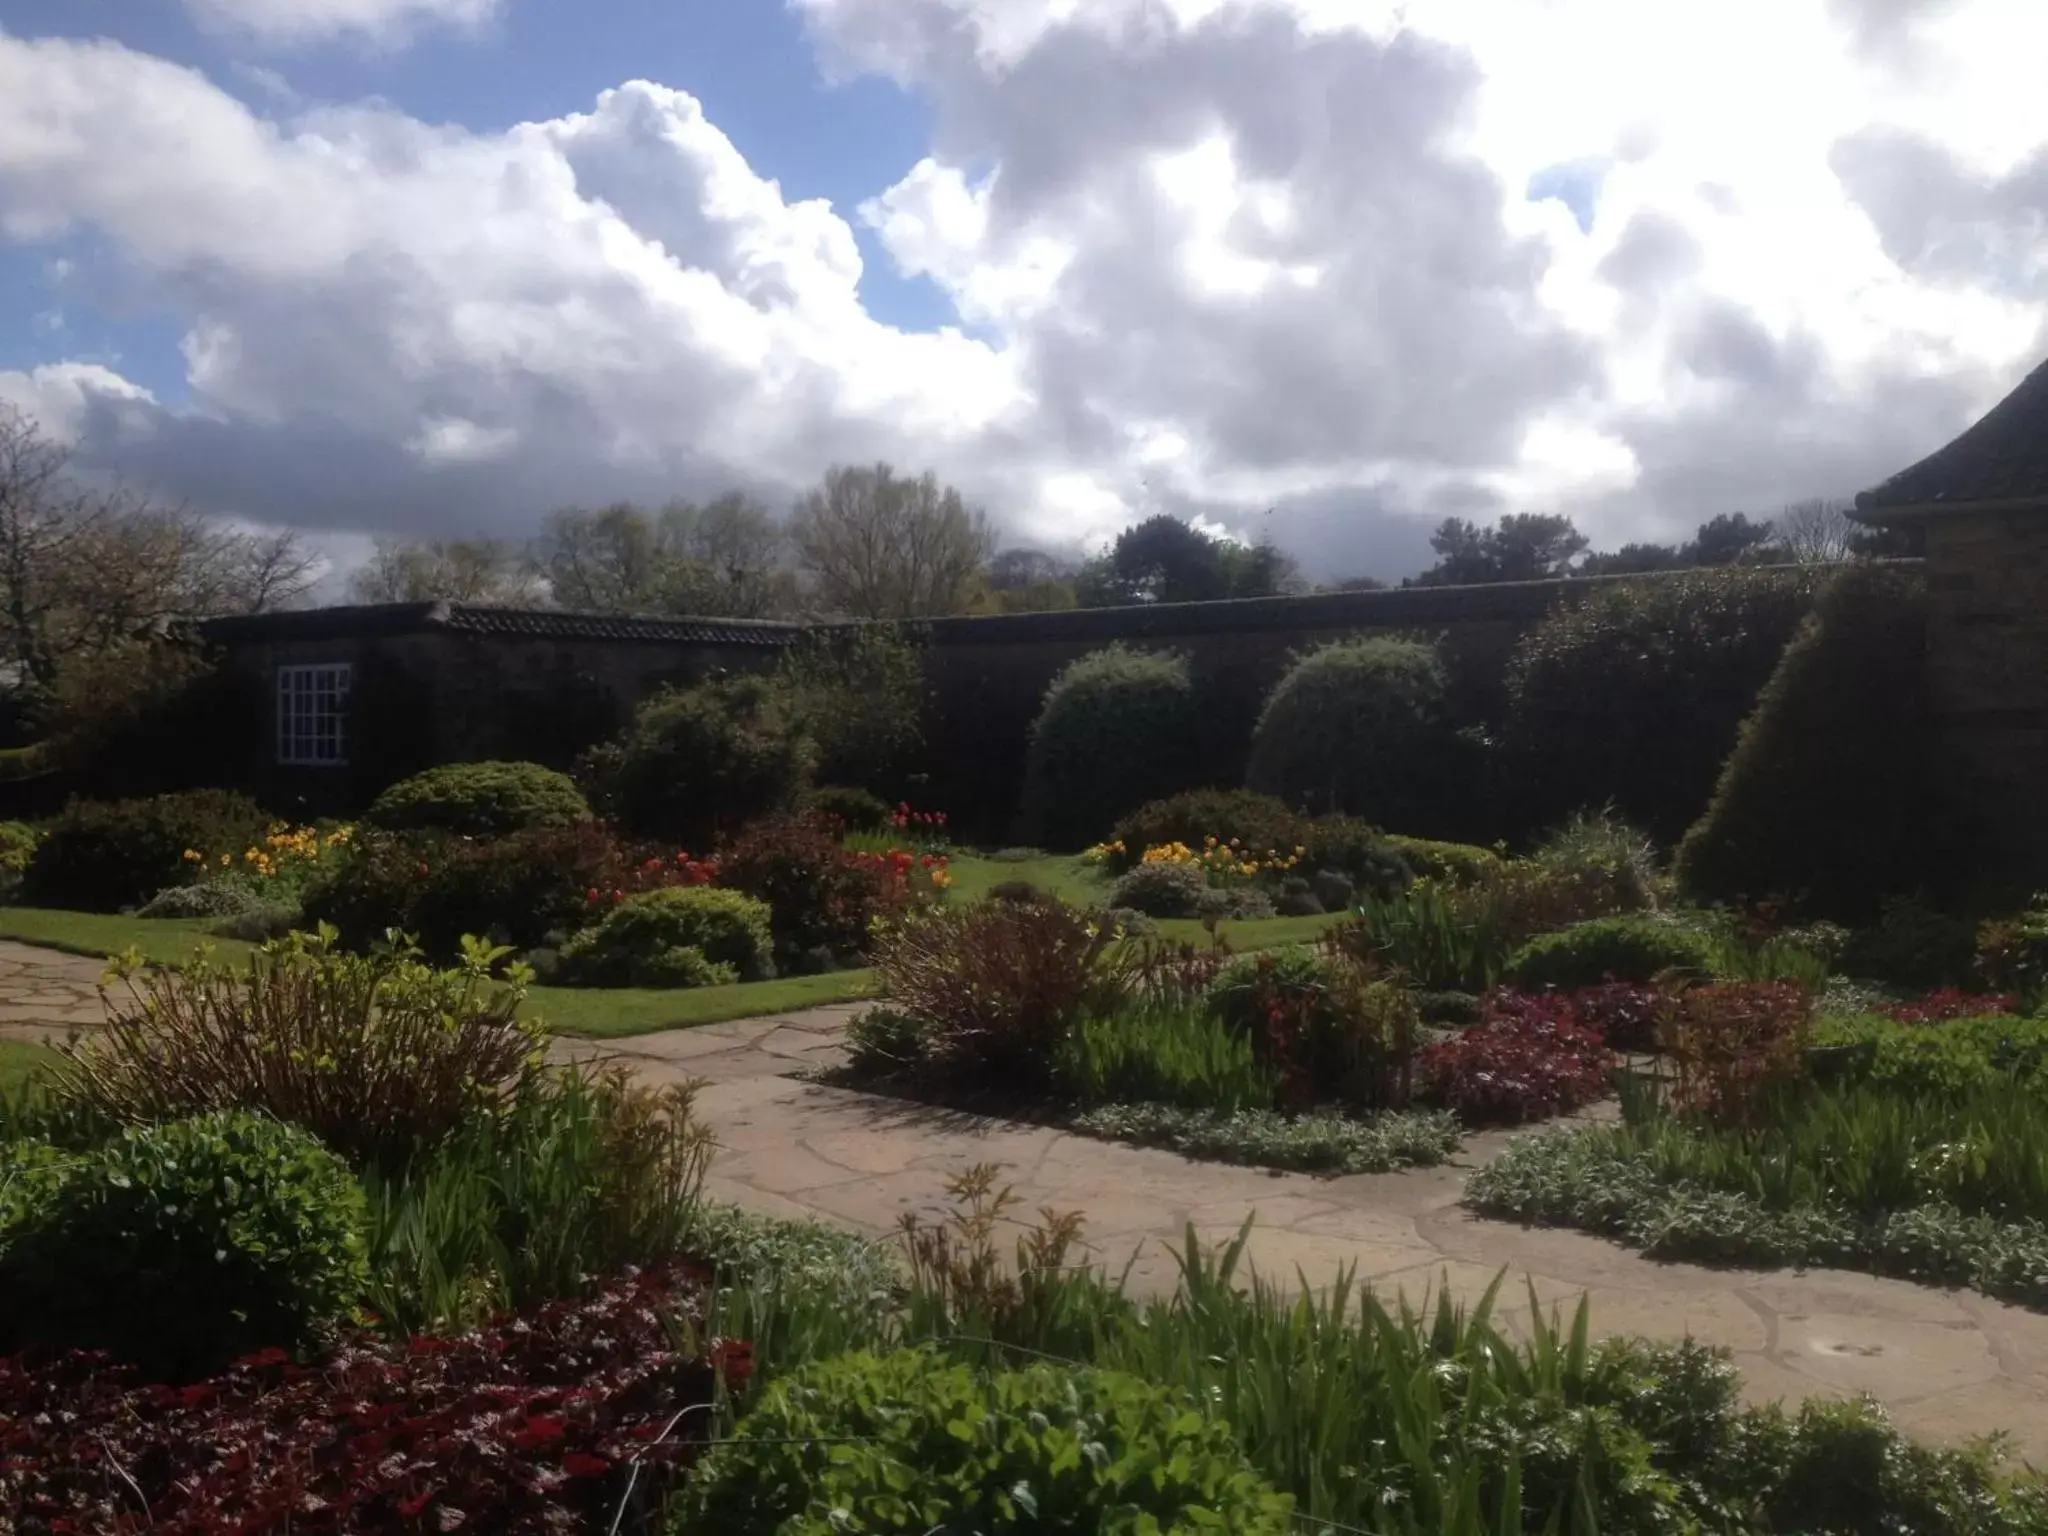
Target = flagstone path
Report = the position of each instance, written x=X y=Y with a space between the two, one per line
x=1948 y=1364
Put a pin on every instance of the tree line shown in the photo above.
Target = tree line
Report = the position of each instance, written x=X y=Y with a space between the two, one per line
x=86 y=571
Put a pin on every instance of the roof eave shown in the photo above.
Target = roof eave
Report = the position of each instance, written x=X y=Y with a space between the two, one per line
x=1866 y=511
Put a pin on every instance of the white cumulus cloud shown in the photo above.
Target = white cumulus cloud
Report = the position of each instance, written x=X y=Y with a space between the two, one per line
x=296 y=22
x=1268 y=263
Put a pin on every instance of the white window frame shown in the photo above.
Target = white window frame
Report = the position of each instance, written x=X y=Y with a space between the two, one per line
x=312 y=715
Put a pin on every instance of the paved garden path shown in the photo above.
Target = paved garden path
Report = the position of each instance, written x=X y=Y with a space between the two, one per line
x=1949 y=1364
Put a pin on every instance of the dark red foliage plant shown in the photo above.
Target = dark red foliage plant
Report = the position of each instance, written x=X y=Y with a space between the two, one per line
x=1734 y=1045
x=549 y=1422
x=1950 y=1003
x=825 y=898
x=1530 y=1059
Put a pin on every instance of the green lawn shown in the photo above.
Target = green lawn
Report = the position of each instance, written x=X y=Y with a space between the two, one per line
x=20 y=1061
x=613 y=1012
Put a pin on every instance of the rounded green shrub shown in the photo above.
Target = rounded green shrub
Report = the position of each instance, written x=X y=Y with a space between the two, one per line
x=209 y=898
x=1362 y=727
x=1118 y=728
x=1257 y=822
x=1604 y=949
x=18 y=842
x=854 y=809
x=699 y=762
x=1162 y=890
x=683 y=936
x=1356 y=849
x=1832 y=775
x=180 y=1247
x=1452 y=863
x=1631 y=695
x=104 y=856
x=907 y=1442
x=480 y=800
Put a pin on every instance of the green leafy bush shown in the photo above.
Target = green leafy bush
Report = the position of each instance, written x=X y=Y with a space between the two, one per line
x=825 y=900
x=859 y=691
x=698 y=762
x=1833 y=773
x=518 y=890
x=883 y=1042
x=1356 y=849
x=1614 y=863
x=1631 y=693
x=209 y=898
x=1912 y=945
x=1118 y=728
x=2012 y=952
x=1162 y=890
x=179 y=1247
x=1954 y=1057
x=1332 y=1031
x=1453 y=863
x=480 y=800
x=683 y=937
x=1258 y=823
x=379 y=1055
x=1637 y=949
x=907 y=1442
x=106 y=856
x=18 y=842
x=1363 y=727
x=854 y=809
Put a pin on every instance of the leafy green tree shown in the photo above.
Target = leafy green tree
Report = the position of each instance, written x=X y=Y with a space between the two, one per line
x=1165 y=560
x=1523 y=546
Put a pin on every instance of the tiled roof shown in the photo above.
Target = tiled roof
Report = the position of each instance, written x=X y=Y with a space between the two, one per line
x=2003 y=459
x=367 y=621
x=560 y=624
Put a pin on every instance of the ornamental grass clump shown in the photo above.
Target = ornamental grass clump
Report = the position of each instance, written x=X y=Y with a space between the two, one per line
x=381 y=1056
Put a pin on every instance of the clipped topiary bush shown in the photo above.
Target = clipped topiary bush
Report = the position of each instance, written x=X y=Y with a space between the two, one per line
x=1833 y=775
x=699 y=762
x=1162 y=890
x=1631 y=695
x=1454 y=863
x=1362 y=727
x=1607 y=949
x=180 y=1247
x=1118 y=728
x=18 y=842
x=1257 y=822
x=480 y=800
x=103 y=856
x=684 y=937
x=909 y=1442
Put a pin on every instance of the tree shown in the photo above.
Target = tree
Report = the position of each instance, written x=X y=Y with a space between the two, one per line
x=1017 y=570
x=723 y=559
x=1634 y=560
x=879 y=546
x=1523 y=546
x=1165 y=560
x=445 y=570
x=84 y=570
x=1816 y=532
x=1731 y=538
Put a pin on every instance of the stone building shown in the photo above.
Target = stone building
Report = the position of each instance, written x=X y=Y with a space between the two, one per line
x=1981 y=504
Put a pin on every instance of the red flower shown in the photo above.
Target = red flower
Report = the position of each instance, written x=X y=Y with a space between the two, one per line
x=538 y=1430
x=592 y=893
x=583 y=1464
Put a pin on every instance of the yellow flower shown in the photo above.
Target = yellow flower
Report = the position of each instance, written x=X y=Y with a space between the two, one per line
x=193 y=856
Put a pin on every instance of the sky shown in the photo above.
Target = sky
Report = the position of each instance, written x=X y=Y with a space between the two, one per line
x=1319 y=271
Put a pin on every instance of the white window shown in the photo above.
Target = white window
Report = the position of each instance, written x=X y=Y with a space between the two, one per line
x=312 y=715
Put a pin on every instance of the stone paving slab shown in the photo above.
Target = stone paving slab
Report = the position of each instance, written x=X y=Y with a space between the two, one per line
x=1949 y=1365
